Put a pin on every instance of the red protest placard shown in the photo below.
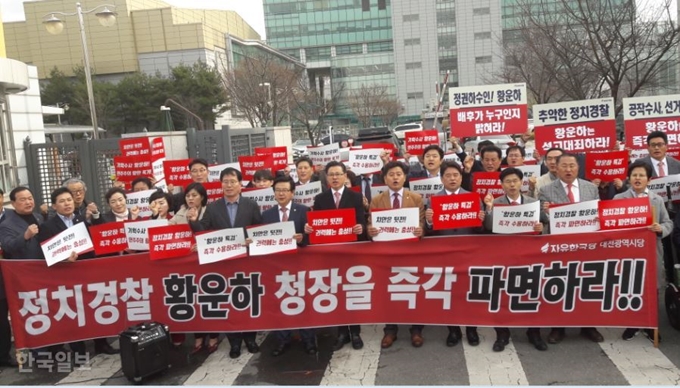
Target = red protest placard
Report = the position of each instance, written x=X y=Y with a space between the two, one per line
x=576 y=126
x=128 y=168
x=487 y=182
x=416 y=141
x=136 y=146
x=455 y=211
x=214 y=190
x=643 y=115
x=625 y=213
x=386 y=146
x=488 y=110
x=332 y=226
x=177 y=172
x=108 y=238
x=279 y=154
x=607 y=166
x=157 y=148
x=167 y=242
x=250 y=164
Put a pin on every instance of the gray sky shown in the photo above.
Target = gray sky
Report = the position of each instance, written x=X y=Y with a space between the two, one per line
x=250 y=10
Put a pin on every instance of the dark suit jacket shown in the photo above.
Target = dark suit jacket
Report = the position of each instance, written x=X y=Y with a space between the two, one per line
x=297 y=214
x=216 y=217
x=672 y=165
x=12 y=241
x=54 y=226
x=451 y=232
x=349 y=199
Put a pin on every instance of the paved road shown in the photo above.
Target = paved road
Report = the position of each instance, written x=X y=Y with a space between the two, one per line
x=576 y=361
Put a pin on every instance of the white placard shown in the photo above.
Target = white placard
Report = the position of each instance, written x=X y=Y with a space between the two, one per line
x=137 y=233
x=377 y=189
x=215 y=171
x=658 y=186
x=516 y=219
x=529 y=170
x=292 y=172
x=224 y=244
x=161 y=184
x=649 y=107
x=453 y=157
x=486 y=95
x=272 y=238
x=578 y=217
x=304 y=194
x=60 y=247
x=427 y=187
x=638 y=154
x=264 y=197
x=324 y=154
x=141 y=200
x=157 y=168
x=365 y=161
x=395 y=224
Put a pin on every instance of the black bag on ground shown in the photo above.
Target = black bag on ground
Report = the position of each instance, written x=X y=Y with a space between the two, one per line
x=144 y=350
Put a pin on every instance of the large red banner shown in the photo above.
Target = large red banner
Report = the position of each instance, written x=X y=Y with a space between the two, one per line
x=595 y=279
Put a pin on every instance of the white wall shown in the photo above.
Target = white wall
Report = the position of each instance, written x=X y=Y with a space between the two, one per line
x=27 y=120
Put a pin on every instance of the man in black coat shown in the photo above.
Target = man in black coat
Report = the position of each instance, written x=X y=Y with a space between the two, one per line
x=232 y=211
x=341 y=197
x=287 y=210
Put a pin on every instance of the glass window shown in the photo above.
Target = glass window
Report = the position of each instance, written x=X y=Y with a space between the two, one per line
x=365 y=5
x=414 y=65
x=382 y=4
x=412 y=42
x=482 y=35
x=481 y=11
x=414 y=96
x=484 y=59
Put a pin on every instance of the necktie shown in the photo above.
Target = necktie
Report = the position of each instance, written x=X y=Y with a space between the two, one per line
x=337 y=199
x=395 y=202
x=570 y=194
x=514 y=203
x=662 y=172
x=284 y=218
x=367 y=188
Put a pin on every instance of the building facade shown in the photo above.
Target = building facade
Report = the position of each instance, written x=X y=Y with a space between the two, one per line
x=149 y=36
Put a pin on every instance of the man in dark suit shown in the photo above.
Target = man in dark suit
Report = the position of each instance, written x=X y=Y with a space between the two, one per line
x=568 y=188
x=340 y=197
x=287 y=210
x=452 y=176
x=232 y=211
x=66 y=216
x=491 y=162
x=5 y=330
x=663 y=165
x=511 y=180
x=306 y=174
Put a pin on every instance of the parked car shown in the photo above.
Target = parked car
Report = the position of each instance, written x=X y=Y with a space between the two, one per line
x=341 y=138
x=501 y=141
x=300 y=147
x=400 y=130
x=378 y=135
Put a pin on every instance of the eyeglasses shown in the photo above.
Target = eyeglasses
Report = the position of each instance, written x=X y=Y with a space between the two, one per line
x=78 y=192
x=277 y=191
x=657 y=145
x=230 y=183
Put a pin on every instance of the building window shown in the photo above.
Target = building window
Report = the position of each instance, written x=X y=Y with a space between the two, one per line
x=481 y=11
x=412 y=42
x=378 y=47
x=414 y=96
x=411 y=18
x=482 y=60
x=414 y=65
x=482 y=35
x=365 y=5
x=382 y=4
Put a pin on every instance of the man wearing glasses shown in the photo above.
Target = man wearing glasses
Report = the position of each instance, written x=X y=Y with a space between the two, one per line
x=340 y=197
x=662 y=165
x=198 y=169
x=232 y=211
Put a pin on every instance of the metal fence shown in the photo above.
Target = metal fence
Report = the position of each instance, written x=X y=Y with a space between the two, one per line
x=50 y=164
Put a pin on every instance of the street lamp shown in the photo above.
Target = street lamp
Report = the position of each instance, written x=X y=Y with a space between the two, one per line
x=54 y=26
x=269 y=99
